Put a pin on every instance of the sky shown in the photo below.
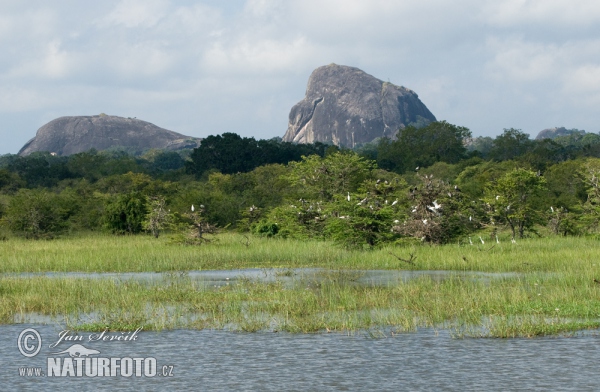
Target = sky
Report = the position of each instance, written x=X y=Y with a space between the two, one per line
x=207 y=67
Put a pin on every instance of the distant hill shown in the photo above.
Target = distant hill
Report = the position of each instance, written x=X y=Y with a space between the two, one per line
x=347 y=107
x=75 y=134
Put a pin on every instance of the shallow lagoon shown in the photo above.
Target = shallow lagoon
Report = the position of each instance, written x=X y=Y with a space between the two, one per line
x=425 y=360
x=287 y=275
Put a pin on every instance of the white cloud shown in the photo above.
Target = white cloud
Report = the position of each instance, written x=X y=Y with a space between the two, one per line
x=551 y=13
x=137 y=13
x=203 y=66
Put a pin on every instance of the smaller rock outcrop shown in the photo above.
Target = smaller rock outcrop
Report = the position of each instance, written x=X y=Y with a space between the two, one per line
x=75 y=134
x=552 y=133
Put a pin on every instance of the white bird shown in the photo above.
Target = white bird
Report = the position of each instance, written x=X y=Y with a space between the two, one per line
x=481 y=239
x=414 y=210
x=395 y=202
x=470 y=218
x=417 y=169
x=551 y=209
x=192 y=208
x=513 y=241
x=348 y=198
x=424 y=221
x=436 y=205
x=497 y=240
x=470 y=242
x=497 y=197
x=201 y=205
x=396 y=221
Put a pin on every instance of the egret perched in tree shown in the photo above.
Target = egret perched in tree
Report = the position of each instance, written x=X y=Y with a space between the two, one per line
x=192 y=208
x=348 y=198
x=551 y=209
x=395 y=202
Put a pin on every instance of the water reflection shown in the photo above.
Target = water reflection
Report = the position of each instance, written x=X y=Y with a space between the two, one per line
x=217 y=278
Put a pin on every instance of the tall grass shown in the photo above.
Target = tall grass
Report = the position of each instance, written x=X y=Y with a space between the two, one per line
x=104 y=253
x=555 y=291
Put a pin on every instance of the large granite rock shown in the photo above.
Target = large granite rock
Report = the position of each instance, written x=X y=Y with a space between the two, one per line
x=552 y=133
x=74 y=134
x=346 y=106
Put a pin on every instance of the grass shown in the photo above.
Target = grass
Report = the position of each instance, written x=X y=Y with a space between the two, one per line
x=106 y=253
x=555 y=291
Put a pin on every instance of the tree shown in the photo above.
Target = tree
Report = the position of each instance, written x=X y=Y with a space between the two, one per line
x=510 y=145
x=512 y=200
x=437 y=213
x=336 y=174
x=36 y=214
x=125 y=213
x=158 y=217
x=439 y=141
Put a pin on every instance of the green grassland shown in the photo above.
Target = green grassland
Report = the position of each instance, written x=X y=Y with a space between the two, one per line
x=554 y=291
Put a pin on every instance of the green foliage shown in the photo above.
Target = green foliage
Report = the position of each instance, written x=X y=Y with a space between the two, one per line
x=510 y=145
x=266 y=229
x=591 y=177
x=300 y=220
x=10 y=182
x=125 y=213
x=439 y=141
x=473 y=179
x=359 y=225
x=513 y=200
x=566 y=186
x=37 y=214
x=318 y=178
x=230 y=153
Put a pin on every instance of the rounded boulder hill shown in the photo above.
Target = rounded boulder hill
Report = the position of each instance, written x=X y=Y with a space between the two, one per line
x=346 y=106
x=75 y=134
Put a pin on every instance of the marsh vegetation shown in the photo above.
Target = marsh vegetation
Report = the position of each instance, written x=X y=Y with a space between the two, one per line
x=555 y=290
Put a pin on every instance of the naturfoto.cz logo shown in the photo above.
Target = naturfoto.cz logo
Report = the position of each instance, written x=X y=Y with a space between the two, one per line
x=81 y=361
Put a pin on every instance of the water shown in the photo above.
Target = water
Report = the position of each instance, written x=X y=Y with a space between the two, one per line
x=425 y=360
x=216 y=278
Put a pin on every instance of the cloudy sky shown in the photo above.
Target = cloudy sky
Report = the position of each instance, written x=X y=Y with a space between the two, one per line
x=208 y=67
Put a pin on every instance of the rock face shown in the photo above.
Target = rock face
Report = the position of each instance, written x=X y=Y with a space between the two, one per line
x=71 y=135
x=346 y=106
x=552 y=133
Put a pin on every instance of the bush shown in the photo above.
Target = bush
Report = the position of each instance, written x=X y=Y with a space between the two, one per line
x=125 y=213
x=36 y=214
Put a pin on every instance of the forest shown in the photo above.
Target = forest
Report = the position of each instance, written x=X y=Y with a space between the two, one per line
x=433 y=185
